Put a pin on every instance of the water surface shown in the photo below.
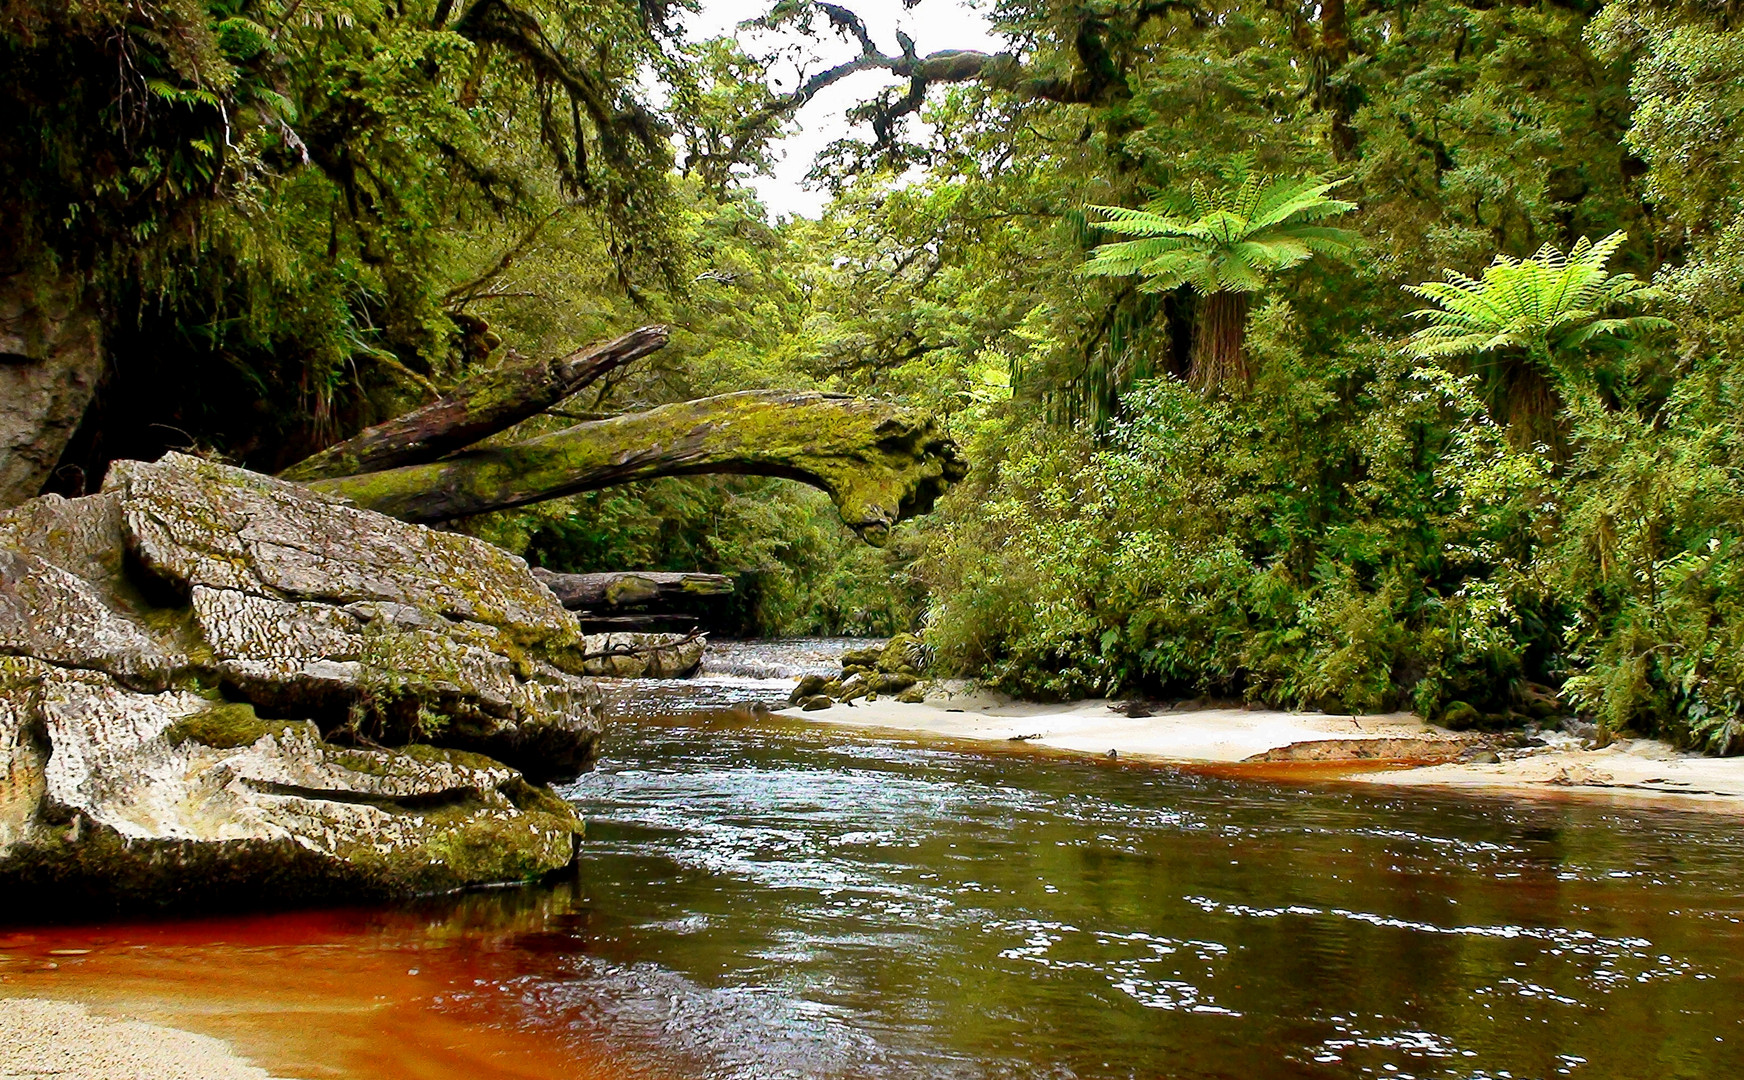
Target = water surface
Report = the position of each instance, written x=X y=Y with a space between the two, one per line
x=760 y=898
x=781 y=901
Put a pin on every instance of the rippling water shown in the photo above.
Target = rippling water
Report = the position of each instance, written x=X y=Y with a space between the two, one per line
x=734 y=674
x=774 y=901
x=760 y=898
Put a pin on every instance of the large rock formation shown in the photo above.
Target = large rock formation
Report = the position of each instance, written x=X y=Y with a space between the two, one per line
x=220 y=687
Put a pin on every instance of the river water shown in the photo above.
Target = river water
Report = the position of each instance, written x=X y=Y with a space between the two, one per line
x=763 y=898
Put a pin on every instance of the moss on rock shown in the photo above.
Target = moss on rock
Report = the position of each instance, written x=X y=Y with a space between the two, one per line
x=228 y=726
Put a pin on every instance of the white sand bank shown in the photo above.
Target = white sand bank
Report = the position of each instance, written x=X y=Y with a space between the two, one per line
x=1627 y=770
x=1640 y=770
x=1199 y=735
x=64 y=1040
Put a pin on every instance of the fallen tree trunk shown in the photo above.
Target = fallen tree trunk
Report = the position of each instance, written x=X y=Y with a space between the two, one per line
x=478 y=408
x=878 y=462
x=642 y=590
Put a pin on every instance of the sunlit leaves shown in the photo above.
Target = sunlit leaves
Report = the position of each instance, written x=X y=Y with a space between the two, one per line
x=1542 y=304
x=1224 y=239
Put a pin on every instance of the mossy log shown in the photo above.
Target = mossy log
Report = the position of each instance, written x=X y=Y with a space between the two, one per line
x=879 y=462
x=478 y=408
x=642 y=590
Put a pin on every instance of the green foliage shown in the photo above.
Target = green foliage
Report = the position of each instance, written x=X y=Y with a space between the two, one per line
x=1223 y=244
x=1544 y=306
x=798 y=570
x=1346 y=539
x=1529 y=319
x=1223 y=240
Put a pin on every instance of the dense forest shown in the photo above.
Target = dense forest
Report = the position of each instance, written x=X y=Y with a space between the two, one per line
x=1350 y=356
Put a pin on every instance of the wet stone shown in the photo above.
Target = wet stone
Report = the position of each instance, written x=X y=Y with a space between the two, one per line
x=221 y=689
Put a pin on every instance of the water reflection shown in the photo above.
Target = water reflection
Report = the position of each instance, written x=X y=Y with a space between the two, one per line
x=778 y=901
x=762 y=899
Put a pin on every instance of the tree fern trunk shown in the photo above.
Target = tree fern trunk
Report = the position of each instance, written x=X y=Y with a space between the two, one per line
x=1219 y=358
x=1531 y=408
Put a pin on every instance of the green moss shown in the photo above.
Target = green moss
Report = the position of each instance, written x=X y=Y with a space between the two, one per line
x=478 y=849
x=229 y=726
x=537 y=798
x=877 y=461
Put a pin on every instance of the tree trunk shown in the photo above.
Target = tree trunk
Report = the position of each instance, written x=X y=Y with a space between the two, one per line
x=1339 y=102
x=646 y=590
x=478 y=408
x=51 y=357
x=1528 y=404
x=877 y=461
x=1219 y=356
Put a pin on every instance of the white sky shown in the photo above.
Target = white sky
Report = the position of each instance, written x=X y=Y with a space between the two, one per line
x=934 y=25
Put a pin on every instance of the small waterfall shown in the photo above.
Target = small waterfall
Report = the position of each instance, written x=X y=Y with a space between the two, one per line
x=733 y=674
x=778 y=659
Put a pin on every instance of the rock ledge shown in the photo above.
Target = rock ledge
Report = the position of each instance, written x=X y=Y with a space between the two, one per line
x=220 y=689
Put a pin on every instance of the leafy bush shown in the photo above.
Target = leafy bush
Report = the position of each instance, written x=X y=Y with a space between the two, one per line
x=1354 y=538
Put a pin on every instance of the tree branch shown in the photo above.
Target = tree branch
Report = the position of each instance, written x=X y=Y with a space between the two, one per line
x=479 y=407
x=1095 y=80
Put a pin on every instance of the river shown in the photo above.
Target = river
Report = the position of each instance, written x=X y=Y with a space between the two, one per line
x=762 y=898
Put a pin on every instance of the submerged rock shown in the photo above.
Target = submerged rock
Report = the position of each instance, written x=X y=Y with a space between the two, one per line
x=219 y=688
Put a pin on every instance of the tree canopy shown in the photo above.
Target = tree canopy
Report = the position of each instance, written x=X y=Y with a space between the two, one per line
x=293 y=219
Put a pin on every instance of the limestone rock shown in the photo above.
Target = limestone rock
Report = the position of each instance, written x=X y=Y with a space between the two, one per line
x=51 y=357
x=196 y=523
x=220 y=688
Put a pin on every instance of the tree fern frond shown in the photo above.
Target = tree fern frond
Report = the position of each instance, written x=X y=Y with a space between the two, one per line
x=1600 y=253
x=1547 y=303
x=1202 y=202
x=1626 y=327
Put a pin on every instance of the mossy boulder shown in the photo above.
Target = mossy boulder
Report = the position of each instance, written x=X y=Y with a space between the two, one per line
x=808 y=686
x=1461 y=716
x=884 y=682
x=863 y=659
x=217 y=688
x=891 y=668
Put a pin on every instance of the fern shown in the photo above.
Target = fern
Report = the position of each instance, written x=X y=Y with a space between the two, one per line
x=1224 y=244
x=1530 y=317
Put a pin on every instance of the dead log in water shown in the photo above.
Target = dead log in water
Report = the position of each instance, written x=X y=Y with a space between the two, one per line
x=646 y=591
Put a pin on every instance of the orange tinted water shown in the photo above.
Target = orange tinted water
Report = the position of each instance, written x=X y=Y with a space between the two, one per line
x=394 y=995
x=759 y=899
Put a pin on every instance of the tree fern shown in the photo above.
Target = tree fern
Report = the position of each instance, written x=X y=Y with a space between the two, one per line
x=1224 y=243
x=1528 y=319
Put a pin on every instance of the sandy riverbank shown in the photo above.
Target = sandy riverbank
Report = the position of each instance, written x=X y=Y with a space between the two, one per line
x=1640 y=770
x=65 y=1040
